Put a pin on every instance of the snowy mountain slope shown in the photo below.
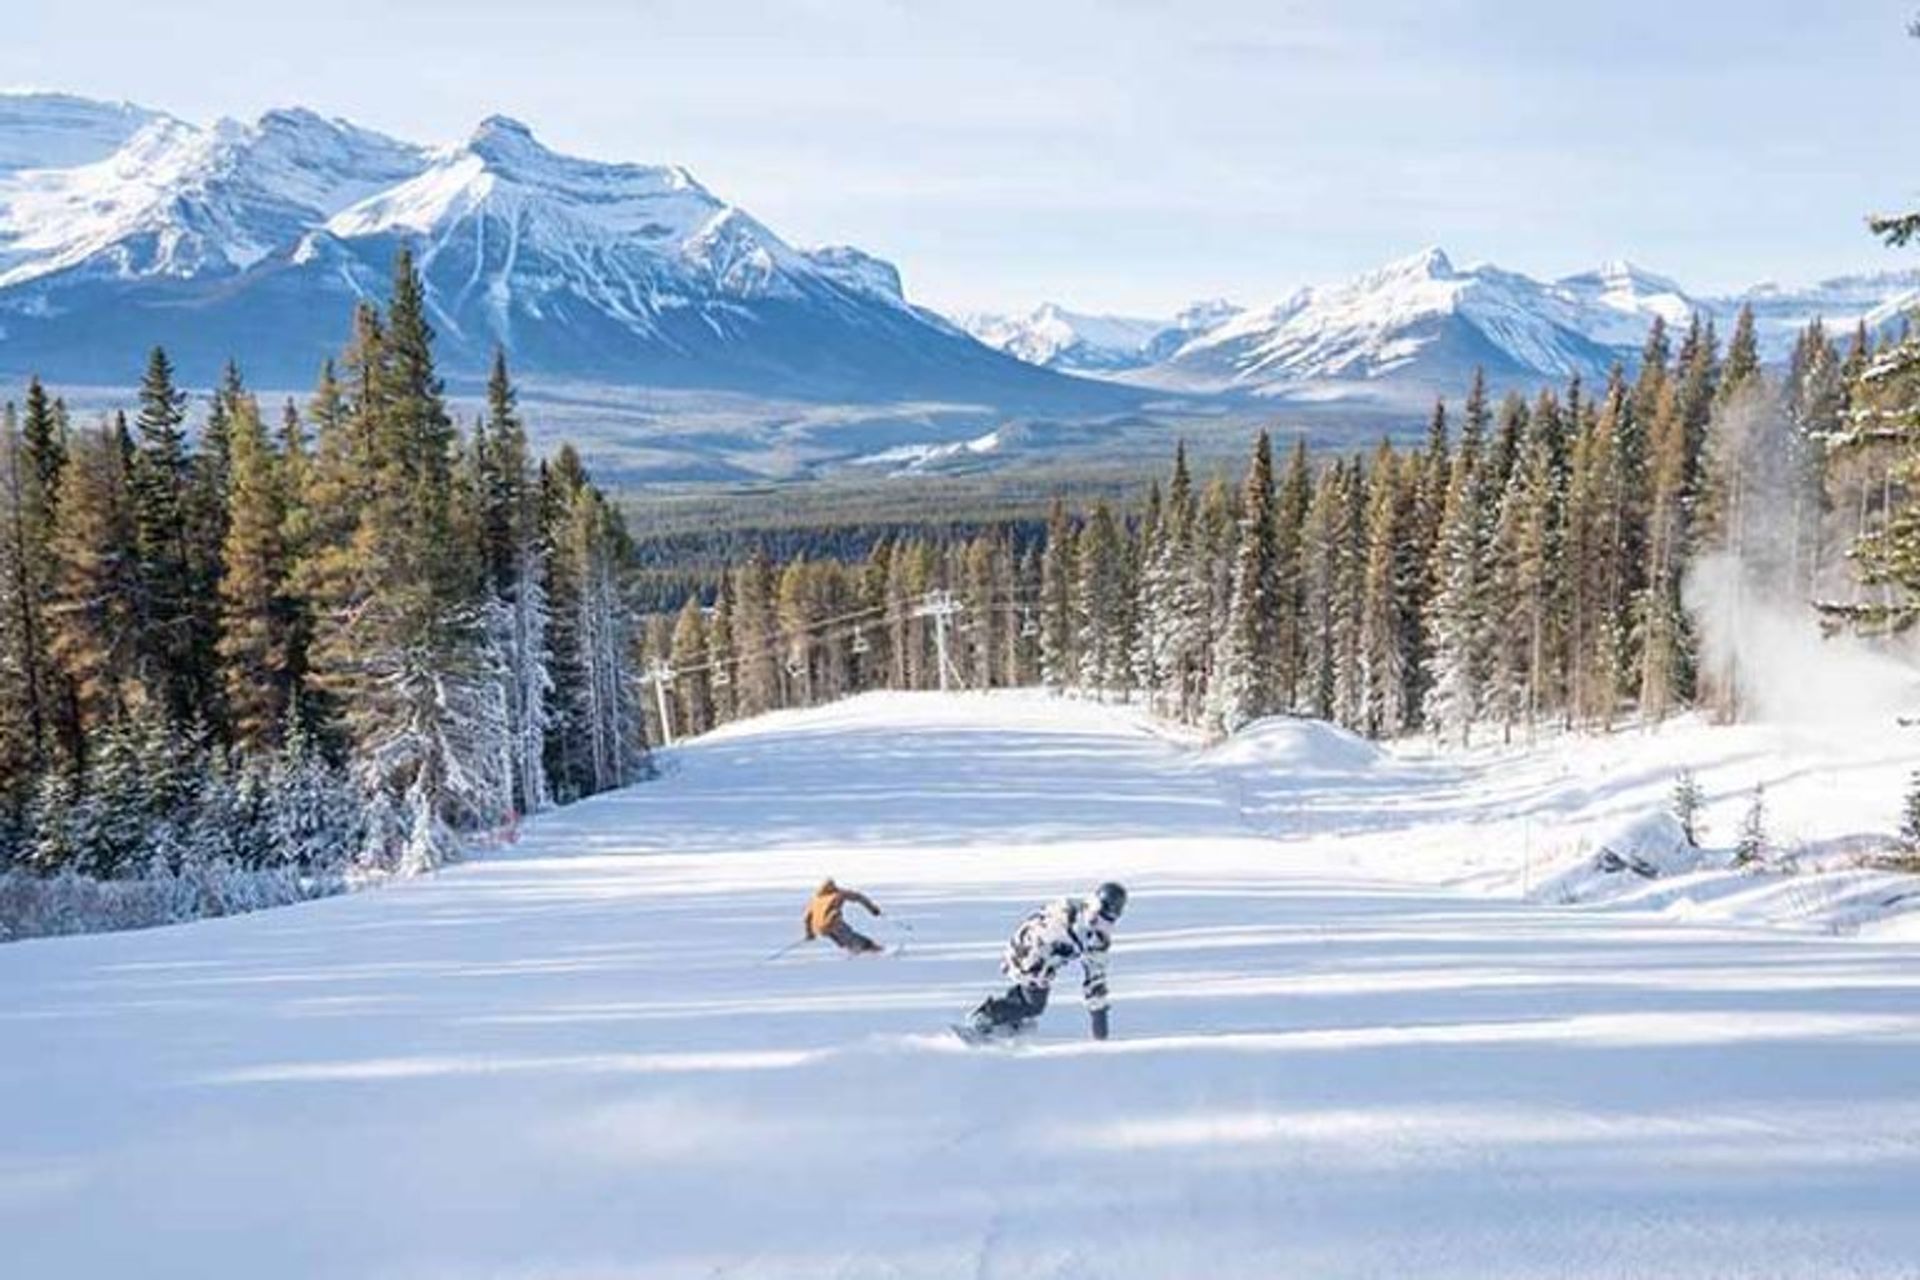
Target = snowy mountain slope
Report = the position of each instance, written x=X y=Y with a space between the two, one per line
x=178 y=202
x=578 y=1059
x=252 y=241
x=1883 y=300
x=59 y=131
x=1422 y=324
x=1055 y=338
x=1418 y=320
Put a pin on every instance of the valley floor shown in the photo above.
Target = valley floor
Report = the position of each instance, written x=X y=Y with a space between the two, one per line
x=575 y=1061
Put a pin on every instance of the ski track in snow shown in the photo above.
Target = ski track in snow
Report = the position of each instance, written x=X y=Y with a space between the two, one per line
x=574 y=1061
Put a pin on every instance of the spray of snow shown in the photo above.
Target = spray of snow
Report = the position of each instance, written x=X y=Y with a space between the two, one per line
x=1784 y=669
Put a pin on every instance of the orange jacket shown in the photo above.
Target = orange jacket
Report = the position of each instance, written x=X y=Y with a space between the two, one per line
x=829 y=900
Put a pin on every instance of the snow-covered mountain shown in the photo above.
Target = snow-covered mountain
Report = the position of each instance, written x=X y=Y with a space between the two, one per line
x=251 y=240
x=1417 y=321
x=1074 y=342
x=1881 y=299
x=1423 y=324
x=58 y=131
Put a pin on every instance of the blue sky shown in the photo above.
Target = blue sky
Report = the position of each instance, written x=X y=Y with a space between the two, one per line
x=1126 y=155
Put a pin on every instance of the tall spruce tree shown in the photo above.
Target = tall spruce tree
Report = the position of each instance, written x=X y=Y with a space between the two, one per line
x=1059 y=658
x=91 y=617
x=257 y=612
x=1457 y=659
x=1246 y=679
x=168 y=618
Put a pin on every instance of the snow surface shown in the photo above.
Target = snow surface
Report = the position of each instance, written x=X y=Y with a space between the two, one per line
x=576 y=1061
x=180 y=201
x=1078 y=342
x=1423 y=319
x=59 y=130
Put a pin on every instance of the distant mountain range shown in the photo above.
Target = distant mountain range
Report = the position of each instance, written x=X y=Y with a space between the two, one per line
x=121 y=227
x=689 y=339
x=1424 y=324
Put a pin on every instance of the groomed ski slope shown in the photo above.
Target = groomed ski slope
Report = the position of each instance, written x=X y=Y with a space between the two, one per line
x=571 y=1061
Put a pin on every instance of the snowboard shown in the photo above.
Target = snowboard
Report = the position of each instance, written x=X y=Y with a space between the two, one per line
x=968 y=1035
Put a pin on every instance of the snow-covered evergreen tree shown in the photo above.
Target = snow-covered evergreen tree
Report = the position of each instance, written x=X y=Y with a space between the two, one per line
x=1751 y=848
x=1688 y=801
x=1461 y=627
x=1246 y=670
x=1910 y=815
x=1389 y=581
x=1059 y=660
x=1174 y=623
x=1099 y=592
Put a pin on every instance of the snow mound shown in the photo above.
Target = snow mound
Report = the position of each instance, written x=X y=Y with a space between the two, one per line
x=1298 y=746
x=1651 y=846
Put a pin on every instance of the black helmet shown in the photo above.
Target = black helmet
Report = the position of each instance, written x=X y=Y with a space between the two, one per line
x=1111 y=899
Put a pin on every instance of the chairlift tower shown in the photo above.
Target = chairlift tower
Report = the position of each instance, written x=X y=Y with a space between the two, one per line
x=941 y=607
x=660 y=676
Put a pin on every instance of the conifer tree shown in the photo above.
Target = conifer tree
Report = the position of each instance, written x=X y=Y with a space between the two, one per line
x=400 y=642
x=1349 y=588
x=756 y=637
x=1219 y=540
x=1503 y=455
x=1751 y=847
x=1059 y=659
x=720 y=657
x=1099 y=588
x=1026 y=621
x=1910 y=815
x=1291 y=505
x=1665 y=670
x=1435 y=469
x=168 y=623
x=1322 y=541
x=1175 y=616
x=1391 y=571
x=1246 y=671
x=1539 y=583
x=689 y=657
x=514 y=558
x=984 y=590
x=1460 y=627
x=28 y=681
x=257 y=614
x=95 y=554
x=1688 y=801
x=1146 y=604
x=1743 y=356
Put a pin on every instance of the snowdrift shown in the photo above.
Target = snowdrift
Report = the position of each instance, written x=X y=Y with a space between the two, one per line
x=1296 y=746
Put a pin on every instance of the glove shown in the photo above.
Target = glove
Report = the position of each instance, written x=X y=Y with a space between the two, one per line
x=1099 y=1024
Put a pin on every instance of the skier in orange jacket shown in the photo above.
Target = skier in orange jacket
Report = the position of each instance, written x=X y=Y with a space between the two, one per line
x=824 y=918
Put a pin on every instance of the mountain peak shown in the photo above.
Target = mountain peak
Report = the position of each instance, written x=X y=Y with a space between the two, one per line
x=503 y=140
x=1431 y=262
x=496 y=130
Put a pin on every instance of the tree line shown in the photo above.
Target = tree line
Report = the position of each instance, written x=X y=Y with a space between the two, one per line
x=1551 y=559
x=334 y=639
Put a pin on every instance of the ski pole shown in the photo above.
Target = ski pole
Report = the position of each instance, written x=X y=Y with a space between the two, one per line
x=797 y=942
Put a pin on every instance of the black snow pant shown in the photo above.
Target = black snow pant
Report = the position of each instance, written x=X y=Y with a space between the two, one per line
x=1020 y=1004
x=847 y=938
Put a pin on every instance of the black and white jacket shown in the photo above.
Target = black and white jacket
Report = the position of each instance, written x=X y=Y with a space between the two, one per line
x=1065 y=930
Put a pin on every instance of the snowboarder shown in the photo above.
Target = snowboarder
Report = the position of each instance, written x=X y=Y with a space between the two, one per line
x=823 y=918
x=1064 y=930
